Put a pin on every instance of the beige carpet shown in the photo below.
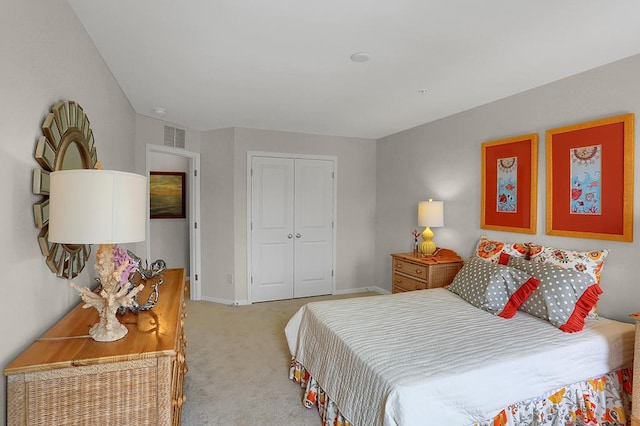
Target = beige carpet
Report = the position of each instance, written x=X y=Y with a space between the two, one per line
x=238 y=363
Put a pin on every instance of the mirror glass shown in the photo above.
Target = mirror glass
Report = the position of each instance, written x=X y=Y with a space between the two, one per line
x=67 y=144
x=72 y=157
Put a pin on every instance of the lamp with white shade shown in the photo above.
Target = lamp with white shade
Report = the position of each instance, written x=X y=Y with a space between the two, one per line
x=106 y=207
x=430 y=215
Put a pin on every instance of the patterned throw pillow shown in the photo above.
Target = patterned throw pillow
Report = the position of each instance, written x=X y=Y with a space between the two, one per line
x=497 y=289
x=564 y=296
x=590 y=262
x=490 y=250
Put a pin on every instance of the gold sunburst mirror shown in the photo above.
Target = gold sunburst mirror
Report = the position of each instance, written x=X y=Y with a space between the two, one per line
x=67 y=144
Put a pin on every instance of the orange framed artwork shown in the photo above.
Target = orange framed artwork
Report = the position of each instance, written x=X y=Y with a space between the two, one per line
x=589 y=169
x=509 y=184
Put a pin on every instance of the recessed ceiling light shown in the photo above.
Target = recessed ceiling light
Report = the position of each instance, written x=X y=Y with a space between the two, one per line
x=360 y=57
x=159 y=111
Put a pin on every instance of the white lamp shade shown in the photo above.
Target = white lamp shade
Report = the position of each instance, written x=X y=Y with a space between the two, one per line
x=89 y=206
x=431 y=213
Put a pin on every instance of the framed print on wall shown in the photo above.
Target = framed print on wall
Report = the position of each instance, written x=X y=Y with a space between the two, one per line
x=509 y=184
x=167 y=195
x=590 y=179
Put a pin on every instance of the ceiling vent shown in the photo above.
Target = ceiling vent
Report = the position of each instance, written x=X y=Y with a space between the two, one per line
x=174 y=137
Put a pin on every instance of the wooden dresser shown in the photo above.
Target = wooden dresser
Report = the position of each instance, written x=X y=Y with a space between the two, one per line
x=137 y=380
x=412 y=271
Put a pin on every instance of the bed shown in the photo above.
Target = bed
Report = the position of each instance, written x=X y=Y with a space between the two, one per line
x=431 y=357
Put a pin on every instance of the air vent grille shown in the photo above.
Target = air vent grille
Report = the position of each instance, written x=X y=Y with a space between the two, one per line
x=174 y=137
x=180 y=138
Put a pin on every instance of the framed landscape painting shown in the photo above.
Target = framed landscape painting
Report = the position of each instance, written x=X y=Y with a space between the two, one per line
x=509 y=184
x=167 y=195
x=590 y=179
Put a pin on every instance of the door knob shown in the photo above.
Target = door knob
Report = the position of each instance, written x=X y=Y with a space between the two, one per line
x=290 y=236
x=298 y=235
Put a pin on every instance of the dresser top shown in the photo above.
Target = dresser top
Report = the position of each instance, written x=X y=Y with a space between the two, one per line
x=441 y=255
x=151 y=333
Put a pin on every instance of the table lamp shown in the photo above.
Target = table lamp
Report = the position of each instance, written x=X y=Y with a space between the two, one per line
x=430 y=214
x=106 y=207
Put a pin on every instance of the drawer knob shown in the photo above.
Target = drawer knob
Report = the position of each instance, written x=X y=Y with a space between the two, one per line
x=417 y=287
x=418 y=271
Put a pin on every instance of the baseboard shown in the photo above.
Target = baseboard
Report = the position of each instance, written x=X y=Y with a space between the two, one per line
x=362 y=290
x=225 y=301
x=246 y=302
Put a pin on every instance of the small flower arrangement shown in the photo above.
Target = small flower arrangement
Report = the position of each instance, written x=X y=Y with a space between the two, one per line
x=415 y=234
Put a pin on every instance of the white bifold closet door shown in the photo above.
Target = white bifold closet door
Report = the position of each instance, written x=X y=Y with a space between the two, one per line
x=291 y=228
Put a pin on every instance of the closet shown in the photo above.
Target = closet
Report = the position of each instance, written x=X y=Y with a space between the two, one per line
x=291 y=227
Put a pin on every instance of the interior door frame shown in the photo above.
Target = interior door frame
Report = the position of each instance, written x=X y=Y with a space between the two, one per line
x=195 y=272
x=334 y=160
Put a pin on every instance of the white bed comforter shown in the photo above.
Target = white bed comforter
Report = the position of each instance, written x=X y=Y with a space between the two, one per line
x=430 y=358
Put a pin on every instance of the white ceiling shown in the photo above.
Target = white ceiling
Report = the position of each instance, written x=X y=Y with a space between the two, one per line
x=284 y=64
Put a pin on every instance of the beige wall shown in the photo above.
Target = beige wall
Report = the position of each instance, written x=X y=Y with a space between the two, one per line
x=47 y=57
x=217 y=215
x=442 y=160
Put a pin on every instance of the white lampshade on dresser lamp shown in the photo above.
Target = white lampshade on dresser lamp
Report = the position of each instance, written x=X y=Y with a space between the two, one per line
x=106 y=207
x=430 y=215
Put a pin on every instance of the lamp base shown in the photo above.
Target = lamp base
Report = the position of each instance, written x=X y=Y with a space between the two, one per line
x=102 y=333
x=427 y=246
x=109 y=298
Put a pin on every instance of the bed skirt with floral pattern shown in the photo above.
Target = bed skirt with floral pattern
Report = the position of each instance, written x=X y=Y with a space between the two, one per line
x=602 y=401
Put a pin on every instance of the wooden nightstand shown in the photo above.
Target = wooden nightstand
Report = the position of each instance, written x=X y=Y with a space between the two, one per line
x=413 y=272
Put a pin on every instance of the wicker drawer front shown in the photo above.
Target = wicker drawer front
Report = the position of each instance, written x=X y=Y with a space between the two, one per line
x=59 y=397
x=401 y=282
x=408 y=268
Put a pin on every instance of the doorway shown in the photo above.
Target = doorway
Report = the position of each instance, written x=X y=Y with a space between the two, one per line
x=193 y=196
x=291 y=226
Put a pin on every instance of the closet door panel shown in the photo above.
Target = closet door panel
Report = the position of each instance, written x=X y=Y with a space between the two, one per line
x=313 y=252
x=272 y=223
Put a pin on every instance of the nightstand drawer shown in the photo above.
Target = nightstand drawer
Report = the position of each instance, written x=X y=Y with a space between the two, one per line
x=408 y=268
x=405 y=283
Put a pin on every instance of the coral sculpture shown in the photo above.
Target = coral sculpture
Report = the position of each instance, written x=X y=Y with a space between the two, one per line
x=114 y=267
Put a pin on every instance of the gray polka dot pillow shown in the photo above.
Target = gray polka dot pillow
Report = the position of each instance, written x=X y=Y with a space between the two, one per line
x=564 y=296
x=498 y=289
